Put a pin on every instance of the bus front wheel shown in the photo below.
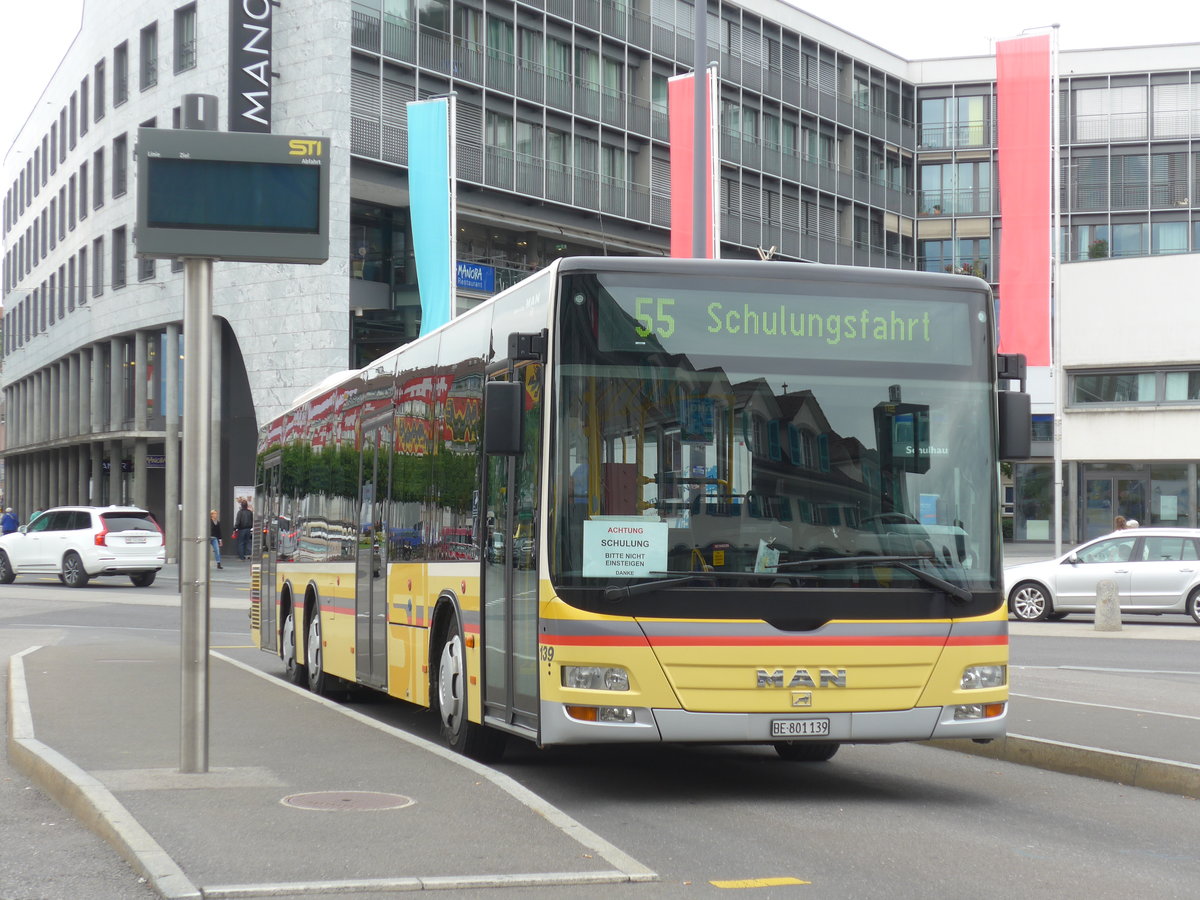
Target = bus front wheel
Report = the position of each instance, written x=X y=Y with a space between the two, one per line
x=461 y=734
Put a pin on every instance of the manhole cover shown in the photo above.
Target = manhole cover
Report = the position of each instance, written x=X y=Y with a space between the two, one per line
x=351 y=801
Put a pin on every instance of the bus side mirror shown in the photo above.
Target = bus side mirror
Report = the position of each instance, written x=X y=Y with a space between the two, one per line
x=1016 y=426
x=503 y=417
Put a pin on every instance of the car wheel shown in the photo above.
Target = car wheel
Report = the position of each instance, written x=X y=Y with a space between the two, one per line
x=806 y=751
x=459 y=732
x=73 y=573
x=1029 y=602
x=1193 y=605
x=314 y=655
x=7 y=575
x=143 y=579
x=292 y=668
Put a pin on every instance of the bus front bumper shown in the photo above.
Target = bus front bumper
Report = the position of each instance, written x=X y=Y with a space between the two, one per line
x=558 y=726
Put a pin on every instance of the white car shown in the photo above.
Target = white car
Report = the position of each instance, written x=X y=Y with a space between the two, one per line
x=1156 y=570
x=78 y=543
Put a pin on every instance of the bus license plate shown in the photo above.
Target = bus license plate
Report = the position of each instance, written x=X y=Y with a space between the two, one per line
x=799 y=727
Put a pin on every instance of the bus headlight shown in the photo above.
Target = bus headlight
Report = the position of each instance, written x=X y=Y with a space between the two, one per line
x=976 y=677
x=978 y=711
x=595 y=678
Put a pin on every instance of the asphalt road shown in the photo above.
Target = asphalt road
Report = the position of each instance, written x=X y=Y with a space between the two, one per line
x=890 y=821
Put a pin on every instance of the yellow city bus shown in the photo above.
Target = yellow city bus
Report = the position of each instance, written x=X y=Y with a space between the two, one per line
x=649 y=500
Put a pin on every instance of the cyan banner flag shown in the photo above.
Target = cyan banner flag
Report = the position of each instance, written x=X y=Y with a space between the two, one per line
x=431 y=206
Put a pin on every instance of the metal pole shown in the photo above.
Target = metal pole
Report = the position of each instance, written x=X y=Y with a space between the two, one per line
x=194 y=527
x=700 y=163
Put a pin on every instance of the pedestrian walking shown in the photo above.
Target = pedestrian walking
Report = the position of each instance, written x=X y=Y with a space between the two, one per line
x=243 y=529
x=9 y=521
x=214 y=536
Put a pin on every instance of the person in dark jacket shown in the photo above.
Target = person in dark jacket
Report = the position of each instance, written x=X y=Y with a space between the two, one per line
x=9 y=521
x=243 y=529
x=214 y=536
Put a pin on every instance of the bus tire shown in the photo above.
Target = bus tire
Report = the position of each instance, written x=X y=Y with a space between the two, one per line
x=806 y=751
x=293 y=670
x=450 y=697
x=314 y=655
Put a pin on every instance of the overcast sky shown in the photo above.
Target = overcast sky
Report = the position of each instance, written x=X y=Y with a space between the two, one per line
x=34 y=34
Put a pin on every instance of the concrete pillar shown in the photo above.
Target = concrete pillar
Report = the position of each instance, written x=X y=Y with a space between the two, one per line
x=116 y=384
x=97 y=392
x=97 y=472
x=53 y=402
x=83 y=472
x=1108 y=606
x=171 y=447
x=85 y=395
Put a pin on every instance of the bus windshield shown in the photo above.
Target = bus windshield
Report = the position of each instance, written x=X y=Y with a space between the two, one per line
x=833 y=433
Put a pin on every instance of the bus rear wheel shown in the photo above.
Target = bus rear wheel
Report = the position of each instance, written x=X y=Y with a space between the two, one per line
x=314 y=654
x=460 y=733
x=806 y=751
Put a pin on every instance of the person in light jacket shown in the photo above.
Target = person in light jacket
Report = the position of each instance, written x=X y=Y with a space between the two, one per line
x=214 y=536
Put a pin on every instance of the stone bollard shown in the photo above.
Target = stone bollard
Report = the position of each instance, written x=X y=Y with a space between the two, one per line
x=1108 y=609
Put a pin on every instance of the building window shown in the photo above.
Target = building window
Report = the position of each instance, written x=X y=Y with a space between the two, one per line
x=1110 y=114
x=83 y=190
x=98 y=179
x=1142 y=387
x=83 y=269
x=185 y=37
x=83 y=106
x=961 y=189
x=948 y=122
x=146 y=269
x=98 y=267
x=1168 y=237
x=1129 y=239
x=118 y=258
x=98 y=94
x=148 y=61
x=1175 y=110
x=1088 y=242
x=120 y=166
x=120 y=73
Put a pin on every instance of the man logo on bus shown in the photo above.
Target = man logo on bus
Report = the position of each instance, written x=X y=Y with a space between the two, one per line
x=801 y=678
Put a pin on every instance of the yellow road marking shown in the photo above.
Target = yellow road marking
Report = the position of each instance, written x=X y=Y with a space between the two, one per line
x=757 y=882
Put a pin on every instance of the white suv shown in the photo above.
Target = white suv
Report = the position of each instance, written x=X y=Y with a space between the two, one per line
x=78 y=543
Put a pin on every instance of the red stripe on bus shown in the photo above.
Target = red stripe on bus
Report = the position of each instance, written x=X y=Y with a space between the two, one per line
x=730 y=641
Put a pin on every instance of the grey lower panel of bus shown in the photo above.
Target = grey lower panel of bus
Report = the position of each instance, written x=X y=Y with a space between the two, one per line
x=678 y=725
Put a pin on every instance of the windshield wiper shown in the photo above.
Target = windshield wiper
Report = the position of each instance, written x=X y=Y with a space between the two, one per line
x=644 y=587
x=962 y=595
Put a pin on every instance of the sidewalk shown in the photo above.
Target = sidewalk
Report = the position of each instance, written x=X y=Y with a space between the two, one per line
x=302 y=798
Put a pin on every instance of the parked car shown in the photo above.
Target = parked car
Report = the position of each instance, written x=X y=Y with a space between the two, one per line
x=78 y=543
x=1156 y=570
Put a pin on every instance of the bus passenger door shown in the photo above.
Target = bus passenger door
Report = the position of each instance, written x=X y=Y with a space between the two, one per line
x=266 y=512
x=370 y=637
x=511 y=551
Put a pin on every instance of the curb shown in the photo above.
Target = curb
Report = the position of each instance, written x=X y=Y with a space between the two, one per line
x=1148 y=772
x=85 y=797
